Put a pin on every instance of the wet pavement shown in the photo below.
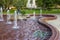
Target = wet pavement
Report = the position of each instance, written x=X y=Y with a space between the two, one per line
x=25 y=31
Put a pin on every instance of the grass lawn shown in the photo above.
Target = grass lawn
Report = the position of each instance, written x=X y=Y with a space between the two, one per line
x=30 y=11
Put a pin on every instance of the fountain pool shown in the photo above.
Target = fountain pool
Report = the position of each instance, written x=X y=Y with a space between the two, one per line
x=27 y=29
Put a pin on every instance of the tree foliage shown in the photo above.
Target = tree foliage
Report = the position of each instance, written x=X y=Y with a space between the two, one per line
x=39 y=3
x=20 y=3
x=47 y=3
x=16 y=3
x=6 y=3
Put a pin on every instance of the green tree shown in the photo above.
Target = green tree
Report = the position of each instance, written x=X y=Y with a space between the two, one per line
x=45 y=3
x=6 y=3
x=48 y=4
x=20 y=4
x=1 y=2
x=39 y=3
x=56 y=2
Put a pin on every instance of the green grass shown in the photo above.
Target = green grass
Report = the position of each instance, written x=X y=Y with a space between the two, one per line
x=52 y=11
x=30 y=11
x=11 y=11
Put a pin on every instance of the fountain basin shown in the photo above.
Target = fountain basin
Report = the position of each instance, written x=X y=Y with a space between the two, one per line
x=48 y=17
x=27 y=28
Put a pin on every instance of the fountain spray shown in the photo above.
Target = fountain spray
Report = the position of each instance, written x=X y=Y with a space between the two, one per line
x=40 y=12
x=34 y=17
x=8 y=17
x=1 y=14
x=15 y=21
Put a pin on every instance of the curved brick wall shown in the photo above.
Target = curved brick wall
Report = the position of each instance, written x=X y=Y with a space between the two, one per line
x=55 y=32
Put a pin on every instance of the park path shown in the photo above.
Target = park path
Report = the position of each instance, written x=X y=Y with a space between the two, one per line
x=56 y=22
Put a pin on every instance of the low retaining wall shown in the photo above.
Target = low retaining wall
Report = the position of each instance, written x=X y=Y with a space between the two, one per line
x=55 y=32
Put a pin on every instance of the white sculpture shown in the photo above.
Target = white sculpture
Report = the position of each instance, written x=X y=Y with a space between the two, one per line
x=31 y=5
x=34 y=4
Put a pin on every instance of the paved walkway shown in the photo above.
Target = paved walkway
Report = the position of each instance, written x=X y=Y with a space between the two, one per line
x=55 y=23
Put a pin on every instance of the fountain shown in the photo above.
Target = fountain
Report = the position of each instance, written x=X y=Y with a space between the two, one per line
x=20 y=16
x=15 y=21
x=28 y=30
x=40 y=12
x=31 y=4
x=8 y=17
x=1 y=14
x=34 y=17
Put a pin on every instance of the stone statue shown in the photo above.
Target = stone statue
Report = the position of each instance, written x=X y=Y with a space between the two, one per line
x=31 y=4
